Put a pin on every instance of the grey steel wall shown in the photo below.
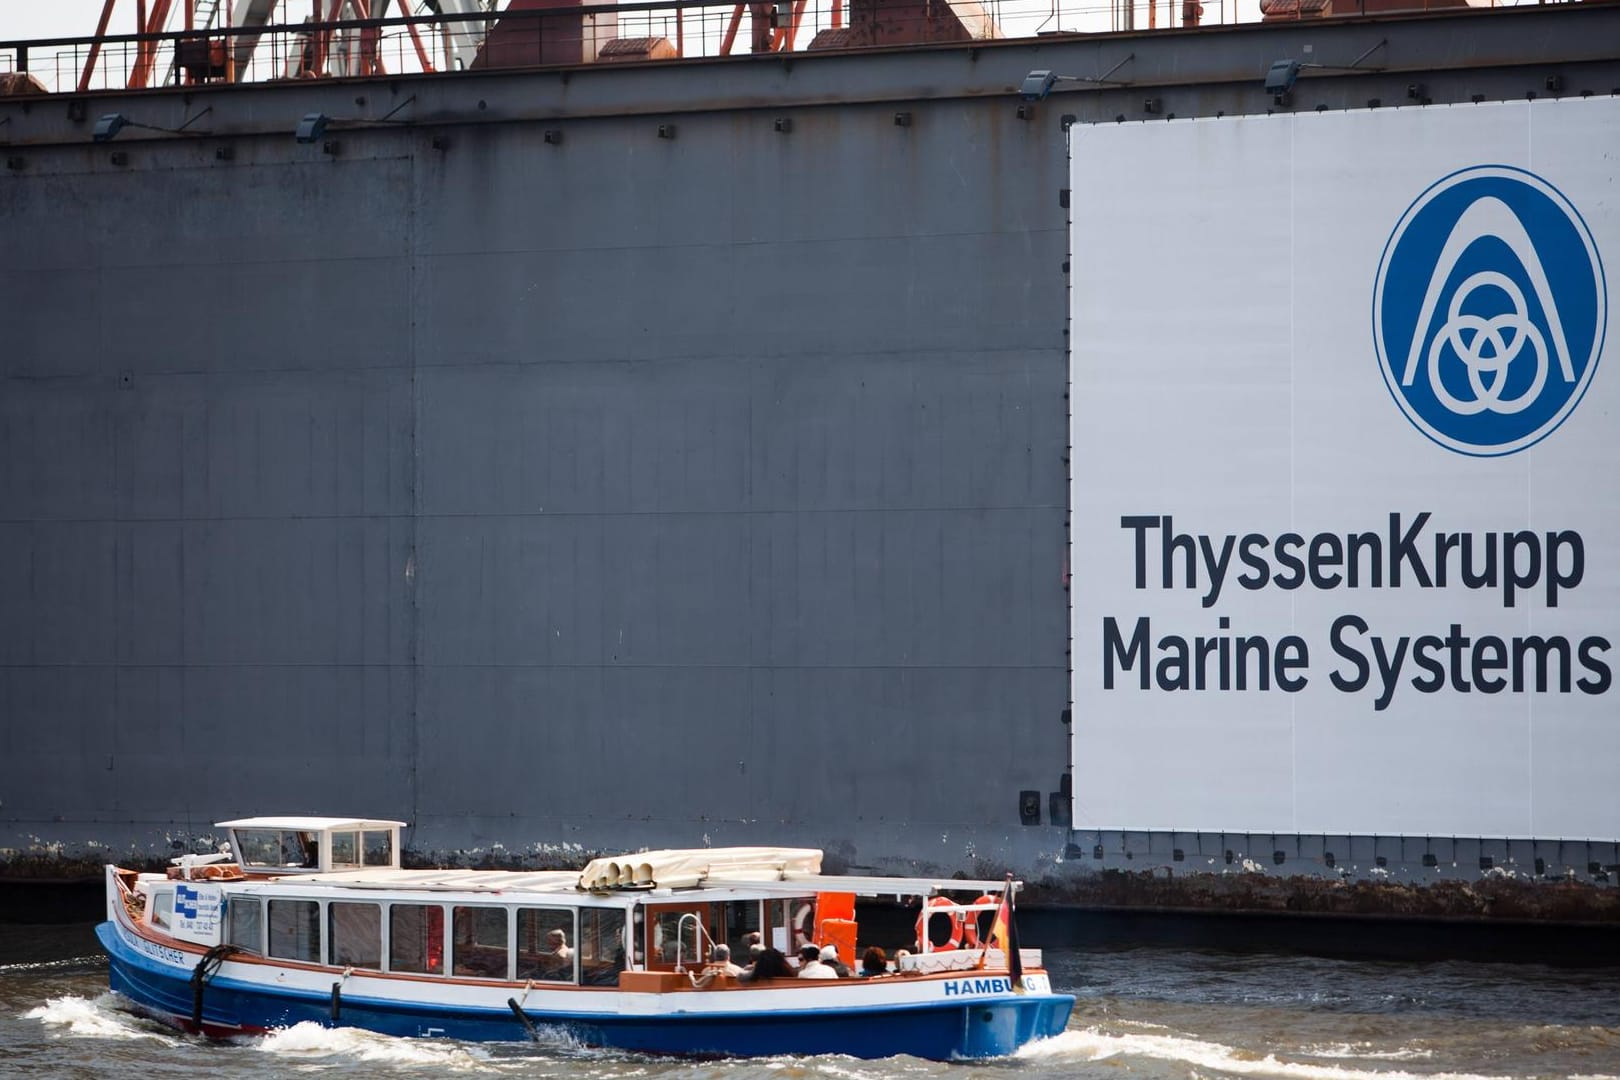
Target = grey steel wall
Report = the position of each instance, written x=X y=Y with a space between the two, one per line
x=614 y=491
x=626 y=491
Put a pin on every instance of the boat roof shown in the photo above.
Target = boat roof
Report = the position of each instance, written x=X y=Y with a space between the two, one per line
x=307 y=824
x=736 y=884
x=737 y=871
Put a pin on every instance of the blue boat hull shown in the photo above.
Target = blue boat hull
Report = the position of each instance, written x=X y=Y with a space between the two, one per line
x=941 y=1031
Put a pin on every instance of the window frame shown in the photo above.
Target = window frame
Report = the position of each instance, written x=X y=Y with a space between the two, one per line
x=444 y=938
x=331 y=940
x=453 y=954
x=320 y=929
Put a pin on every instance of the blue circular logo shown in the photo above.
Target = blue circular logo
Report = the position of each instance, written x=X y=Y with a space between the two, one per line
x=1488 y=312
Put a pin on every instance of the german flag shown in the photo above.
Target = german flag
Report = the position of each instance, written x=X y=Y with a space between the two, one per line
x=1004 y=936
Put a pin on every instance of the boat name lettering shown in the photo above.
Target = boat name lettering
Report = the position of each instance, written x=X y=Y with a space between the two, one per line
x=993 y=985
x=159 y=952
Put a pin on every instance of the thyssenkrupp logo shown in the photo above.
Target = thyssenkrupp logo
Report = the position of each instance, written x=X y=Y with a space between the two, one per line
x=1488 y=311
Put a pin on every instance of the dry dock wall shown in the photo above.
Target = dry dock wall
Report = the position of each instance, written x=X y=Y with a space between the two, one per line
x=686 y=476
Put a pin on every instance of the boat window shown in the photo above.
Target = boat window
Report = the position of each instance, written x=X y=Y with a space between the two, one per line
x=792 y=924
x=278 y=847
x=163 y=907
x=355 y=931
x=295 y=930
x=601 y=946
x=345 y=849
x=733 y=922
x=416 y=938
x=672 y=933
x=244 y=923
x=540 y=954
x=479 y=942
x=379 y=845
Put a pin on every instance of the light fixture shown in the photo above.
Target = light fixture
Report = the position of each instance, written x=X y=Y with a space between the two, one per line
x=108 y=126
x=1038 y=84
x=311 y=127
x=1280 y=77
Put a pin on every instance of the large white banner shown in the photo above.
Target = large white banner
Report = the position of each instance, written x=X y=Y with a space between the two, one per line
x=1346 y=473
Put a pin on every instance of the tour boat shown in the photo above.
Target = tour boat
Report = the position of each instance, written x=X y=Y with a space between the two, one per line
x=312 y=919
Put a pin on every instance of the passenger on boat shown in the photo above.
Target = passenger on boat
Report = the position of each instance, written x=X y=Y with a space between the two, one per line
x=557 y=945
x=810 y=965
x=770 y=965
x=874 y=963
x=720 y=960
x=719 y=965
x=829 y=957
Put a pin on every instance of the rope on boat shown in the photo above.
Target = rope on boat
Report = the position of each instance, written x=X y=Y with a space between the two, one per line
x=203 y=974
x=523 y=1018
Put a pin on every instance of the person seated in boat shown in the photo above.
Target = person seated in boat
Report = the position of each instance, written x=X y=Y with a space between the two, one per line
x=720 y=960
x=557 y=947
x=874 y=963
x=719 y=966
x=829 y=956
x=810 y=965
x=770 y=965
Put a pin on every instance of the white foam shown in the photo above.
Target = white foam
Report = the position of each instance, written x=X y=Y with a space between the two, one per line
x=1091 y=1044
x=311 y=1040
x=99 y=1018
x=1365 y=1051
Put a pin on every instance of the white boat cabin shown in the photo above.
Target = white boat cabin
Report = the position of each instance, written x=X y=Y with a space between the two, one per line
x=305 y=845
x=330 y=891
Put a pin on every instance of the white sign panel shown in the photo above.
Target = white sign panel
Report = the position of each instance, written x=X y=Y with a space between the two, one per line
x=1346 y=473
x=198 y=909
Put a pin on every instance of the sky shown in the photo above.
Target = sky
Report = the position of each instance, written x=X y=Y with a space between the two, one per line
x=56 y=18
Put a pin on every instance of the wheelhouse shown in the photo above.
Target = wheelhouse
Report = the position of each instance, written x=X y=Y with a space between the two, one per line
x=312 y=845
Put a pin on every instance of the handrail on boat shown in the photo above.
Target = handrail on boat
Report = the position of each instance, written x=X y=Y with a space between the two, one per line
x=679 y=941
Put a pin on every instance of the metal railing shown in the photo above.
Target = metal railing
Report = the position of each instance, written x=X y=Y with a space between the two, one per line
x=603 y=33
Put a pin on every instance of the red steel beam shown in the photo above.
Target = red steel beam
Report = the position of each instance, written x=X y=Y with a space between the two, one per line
x=95 y=46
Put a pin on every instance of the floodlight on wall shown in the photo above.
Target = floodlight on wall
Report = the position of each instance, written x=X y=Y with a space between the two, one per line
x=1038 y=84
x=1282 y=74
x=1280 y=77
x=108 y=127
x=311 y=127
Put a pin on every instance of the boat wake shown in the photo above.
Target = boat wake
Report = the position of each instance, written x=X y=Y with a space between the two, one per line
x=1366 y=1052
x=1094 y=1044
x=312 y=1042
x=100 y=1017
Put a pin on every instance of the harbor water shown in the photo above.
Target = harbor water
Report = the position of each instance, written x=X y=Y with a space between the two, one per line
x=1141 y=1012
